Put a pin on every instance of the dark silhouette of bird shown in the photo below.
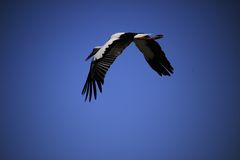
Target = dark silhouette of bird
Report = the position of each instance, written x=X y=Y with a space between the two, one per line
x=104 y=56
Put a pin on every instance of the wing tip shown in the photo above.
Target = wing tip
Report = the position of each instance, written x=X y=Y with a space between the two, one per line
x=90 y=90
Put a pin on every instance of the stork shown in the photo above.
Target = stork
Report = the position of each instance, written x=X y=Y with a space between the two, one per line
x=104 y=56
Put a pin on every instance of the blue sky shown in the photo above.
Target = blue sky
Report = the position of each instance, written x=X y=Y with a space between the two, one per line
x=194 y=114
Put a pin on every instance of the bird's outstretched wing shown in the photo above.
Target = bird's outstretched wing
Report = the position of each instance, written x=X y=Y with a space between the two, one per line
x=102 y=61
x=154 y=55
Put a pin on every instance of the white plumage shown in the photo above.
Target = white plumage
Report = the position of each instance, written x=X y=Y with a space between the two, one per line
x=113 y=38
x=104 y=56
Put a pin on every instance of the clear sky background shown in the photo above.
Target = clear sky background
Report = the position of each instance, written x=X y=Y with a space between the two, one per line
x=194 y=114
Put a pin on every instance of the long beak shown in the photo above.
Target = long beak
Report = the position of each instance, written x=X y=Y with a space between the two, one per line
x=157 y=36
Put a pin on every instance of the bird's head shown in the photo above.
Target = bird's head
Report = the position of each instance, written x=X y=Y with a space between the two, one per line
x=142 y=36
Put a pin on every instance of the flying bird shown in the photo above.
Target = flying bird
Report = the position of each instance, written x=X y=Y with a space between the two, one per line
x=104 y=56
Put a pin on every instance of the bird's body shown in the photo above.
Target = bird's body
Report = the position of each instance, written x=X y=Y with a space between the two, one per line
x=104 y=56
x=117 y=39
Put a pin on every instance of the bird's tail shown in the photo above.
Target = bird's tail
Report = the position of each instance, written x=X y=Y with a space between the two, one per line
x=94 y=51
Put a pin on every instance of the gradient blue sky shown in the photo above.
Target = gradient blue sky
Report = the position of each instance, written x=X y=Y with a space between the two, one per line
x=193 y=114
